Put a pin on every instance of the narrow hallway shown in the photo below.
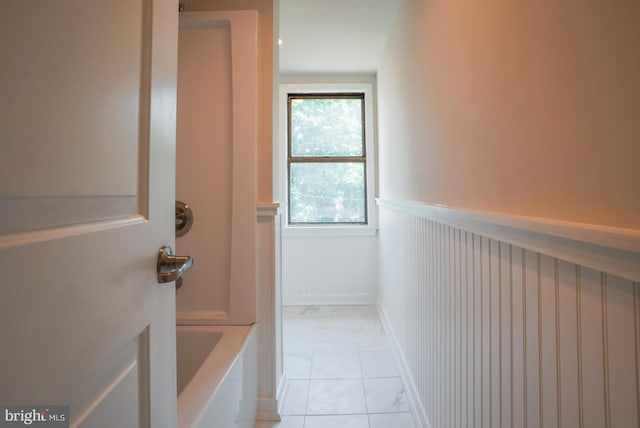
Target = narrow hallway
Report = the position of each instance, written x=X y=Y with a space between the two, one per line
x=340 y=370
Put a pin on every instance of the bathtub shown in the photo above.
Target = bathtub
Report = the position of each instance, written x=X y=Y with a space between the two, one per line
x=217 y=376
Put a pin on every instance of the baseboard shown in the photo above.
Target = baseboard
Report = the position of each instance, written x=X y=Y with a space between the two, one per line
x=418 y=411
x=332 y=300
x=282 y=390
x=267 y=410
x=268 y=407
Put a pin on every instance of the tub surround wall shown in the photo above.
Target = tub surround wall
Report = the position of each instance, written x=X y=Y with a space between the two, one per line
x=204 y=164
x=266 y=42
x=221 y=288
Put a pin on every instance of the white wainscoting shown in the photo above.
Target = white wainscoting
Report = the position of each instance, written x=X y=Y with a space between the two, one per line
x=329 y=270
x=491 y=334
x=270 y=372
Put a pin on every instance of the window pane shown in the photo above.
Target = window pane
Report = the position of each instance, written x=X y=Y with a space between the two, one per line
x=326 y=127
x=327 y=193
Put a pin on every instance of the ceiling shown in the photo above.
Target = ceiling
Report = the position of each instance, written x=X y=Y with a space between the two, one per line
x=334 y=36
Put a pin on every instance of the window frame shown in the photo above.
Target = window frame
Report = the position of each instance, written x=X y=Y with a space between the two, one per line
x=291 y=159
x=282 y=162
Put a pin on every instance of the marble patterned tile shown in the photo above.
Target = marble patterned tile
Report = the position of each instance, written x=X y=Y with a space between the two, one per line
x=292 y=311
x=329 y=346
x=340 y=369
x=373 y=342
x=337 y=421
x=337 y=324
x=299 y=325
x=391 y=420
x=385 y=395
x=333 y=336
x=296 y=344
x=318 y=311
x=357 y=311
x=336 y=397
x=378 y=364
x=299 y=311
x=295 y=400
x=298 y=338
x=336 y=365
x=297 y=365
x=369 y=325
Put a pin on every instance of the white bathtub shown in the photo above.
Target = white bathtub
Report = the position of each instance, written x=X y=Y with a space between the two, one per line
x=217 y=376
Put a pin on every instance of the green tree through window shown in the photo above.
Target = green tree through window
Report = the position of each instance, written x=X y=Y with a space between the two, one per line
x=327 y=159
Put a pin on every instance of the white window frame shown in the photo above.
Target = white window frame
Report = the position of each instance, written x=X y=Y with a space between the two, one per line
x=368 y=229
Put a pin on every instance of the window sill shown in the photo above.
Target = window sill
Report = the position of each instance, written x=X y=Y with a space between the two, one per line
x=329 y=231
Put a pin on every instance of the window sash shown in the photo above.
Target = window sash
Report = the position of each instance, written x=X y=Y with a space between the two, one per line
x=327 y=159
x=320 y=207
x=313 y=96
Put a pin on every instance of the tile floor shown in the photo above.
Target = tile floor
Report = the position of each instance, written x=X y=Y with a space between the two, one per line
x=340 y=371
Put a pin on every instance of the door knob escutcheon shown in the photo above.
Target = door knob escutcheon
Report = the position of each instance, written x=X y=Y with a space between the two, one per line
x=184 y=218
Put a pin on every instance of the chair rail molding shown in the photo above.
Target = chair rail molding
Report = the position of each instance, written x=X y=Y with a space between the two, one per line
x=267 y=209
x=608 y=249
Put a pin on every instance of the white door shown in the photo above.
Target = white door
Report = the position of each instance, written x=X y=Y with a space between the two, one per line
x=87 y=178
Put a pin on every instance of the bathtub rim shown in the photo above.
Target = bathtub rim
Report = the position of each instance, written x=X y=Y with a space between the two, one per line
x=197 y=394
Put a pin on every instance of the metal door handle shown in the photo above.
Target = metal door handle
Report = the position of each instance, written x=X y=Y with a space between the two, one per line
x=171 y=267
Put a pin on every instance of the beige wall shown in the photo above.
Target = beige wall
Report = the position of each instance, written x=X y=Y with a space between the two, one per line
x=265 y=10
x=520 y=107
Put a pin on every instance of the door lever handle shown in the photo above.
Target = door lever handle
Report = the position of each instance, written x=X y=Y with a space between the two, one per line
x=171 y=267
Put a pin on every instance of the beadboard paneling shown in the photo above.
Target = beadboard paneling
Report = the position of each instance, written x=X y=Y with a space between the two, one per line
x=330 y=270
x=494 y=335
x=270 y=372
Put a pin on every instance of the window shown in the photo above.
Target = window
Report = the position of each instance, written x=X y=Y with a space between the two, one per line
x=327 y=158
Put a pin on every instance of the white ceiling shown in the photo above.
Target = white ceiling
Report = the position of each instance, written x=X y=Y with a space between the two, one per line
x=334 y=36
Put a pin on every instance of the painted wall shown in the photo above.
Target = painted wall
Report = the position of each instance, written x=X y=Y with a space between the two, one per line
x=519 y=107
x=266 y=39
